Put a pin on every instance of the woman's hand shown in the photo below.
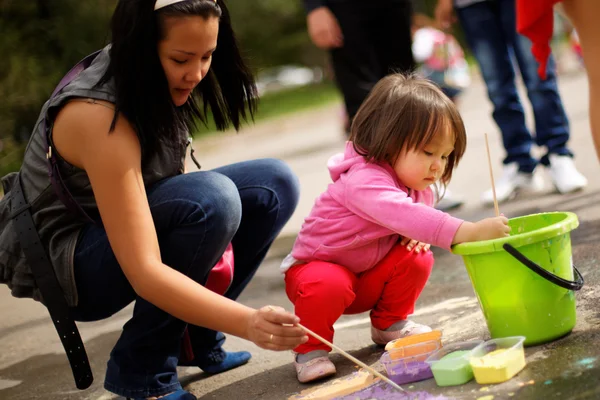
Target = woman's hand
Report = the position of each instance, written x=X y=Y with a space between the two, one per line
x=273 y=328
x=413 y=244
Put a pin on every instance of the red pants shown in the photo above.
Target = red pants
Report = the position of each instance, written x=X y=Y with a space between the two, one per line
x=323 y=291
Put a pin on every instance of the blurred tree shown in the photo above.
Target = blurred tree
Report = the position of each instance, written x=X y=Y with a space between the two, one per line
x=39 y=41
x=273 y=32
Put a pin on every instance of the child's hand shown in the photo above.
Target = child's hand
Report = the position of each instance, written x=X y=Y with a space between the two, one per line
x=418 y=246
x=492 y=228
x=486 y=229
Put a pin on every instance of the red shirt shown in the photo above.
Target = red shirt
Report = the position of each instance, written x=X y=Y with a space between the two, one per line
x=535 y=19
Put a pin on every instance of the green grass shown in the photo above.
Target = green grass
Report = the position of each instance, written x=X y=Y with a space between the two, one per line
x=288 y=101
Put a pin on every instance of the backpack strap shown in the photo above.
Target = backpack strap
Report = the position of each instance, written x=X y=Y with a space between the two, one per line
x=56 y=179
x=37 y=258
x=52 y=294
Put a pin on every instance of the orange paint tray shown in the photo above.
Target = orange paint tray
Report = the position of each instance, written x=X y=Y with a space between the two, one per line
x=415 y=345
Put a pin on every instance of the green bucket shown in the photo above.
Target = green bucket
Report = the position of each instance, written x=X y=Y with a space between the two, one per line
x=525 y=282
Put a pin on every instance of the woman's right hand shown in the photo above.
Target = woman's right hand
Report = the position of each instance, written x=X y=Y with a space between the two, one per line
x=273 y=328
x=486 y=229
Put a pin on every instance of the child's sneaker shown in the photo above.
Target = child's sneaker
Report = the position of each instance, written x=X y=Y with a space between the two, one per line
x=399 y=330
x=312 y=370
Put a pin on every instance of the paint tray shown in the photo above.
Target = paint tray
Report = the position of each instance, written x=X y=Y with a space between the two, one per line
x=415 y=345
x=450 y=365
x=498 y=360
x=338 y=387
x=407 y=364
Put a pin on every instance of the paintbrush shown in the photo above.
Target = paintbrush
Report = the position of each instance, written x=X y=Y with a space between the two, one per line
x=348 y=356
x=487 y=147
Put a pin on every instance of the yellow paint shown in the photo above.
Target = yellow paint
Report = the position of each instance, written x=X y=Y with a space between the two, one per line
x=488 y=397
x=498 y=366
x=337 y=387
x=484 y=389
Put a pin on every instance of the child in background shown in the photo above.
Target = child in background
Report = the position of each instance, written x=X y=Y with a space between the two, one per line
x=365 y=244
x=442 y=61
x=440 y=57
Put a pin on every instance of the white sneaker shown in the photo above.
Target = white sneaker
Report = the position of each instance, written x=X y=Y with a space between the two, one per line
x=450 y=201
x=511 y=182
x=564 y=175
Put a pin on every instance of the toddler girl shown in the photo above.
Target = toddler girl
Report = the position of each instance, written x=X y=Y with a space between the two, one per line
x=365 y=244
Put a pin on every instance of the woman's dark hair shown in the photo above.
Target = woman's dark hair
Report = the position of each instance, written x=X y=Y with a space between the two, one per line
x=405 y=112
x=142 y=90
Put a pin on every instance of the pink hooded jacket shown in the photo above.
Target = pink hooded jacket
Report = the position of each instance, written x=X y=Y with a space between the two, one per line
x=363 y=213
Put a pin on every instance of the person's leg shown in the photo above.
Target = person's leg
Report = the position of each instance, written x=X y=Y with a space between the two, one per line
x=196 y=215
x=551 y=123
x=355 y=65
x=483 y=29
x=390 y=34
x=584 y=15
x=320 y=291
x=390 y=290
x=269 y=193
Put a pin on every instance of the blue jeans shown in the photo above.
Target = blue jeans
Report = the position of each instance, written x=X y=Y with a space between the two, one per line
x=196 y=216
x=490 y=29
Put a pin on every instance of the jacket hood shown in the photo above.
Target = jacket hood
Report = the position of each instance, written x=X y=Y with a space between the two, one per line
x=342 y=162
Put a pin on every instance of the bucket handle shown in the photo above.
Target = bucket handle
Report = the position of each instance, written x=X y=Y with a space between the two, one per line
x=557 y=280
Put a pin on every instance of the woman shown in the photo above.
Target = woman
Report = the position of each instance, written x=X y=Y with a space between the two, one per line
x=119 y=133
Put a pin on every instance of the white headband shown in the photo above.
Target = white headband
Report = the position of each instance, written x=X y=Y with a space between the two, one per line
x=163 y=3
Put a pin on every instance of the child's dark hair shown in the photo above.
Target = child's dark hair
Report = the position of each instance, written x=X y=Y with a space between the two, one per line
x=404 y=112
x=142 y=89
